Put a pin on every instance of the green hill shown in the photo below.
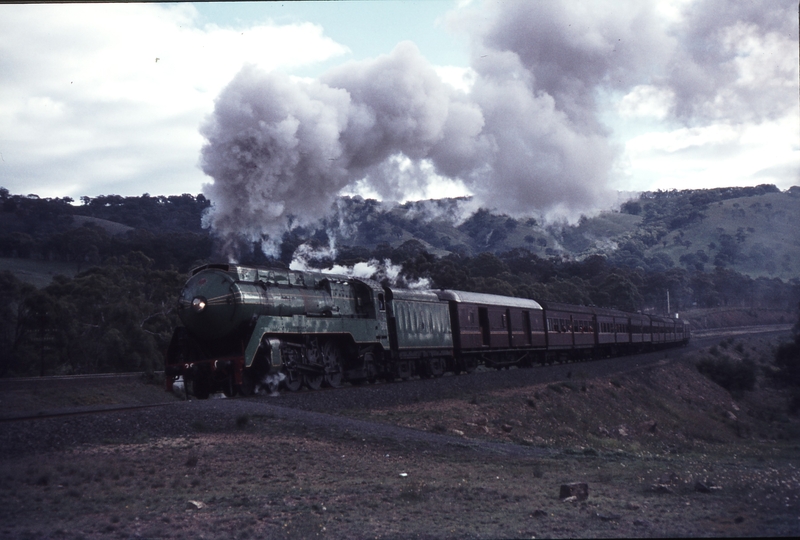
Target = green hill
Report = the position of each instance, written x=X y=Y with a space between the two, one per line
x=752 y=231
x=757 y=236
x=36 y=272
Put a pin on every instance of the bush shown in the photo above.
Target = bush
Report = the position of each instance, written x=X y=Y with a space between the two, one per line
x=734 y=376
x=787 y=360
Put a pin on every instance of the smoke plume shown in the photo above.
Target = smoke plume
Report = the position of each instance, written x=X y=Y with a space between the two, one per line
x=306 y=258
x=527 y=138
x=736 y=62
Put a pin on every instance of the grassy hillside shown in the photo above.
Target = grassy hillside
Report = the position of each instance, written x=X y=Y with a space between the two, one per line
x=752 y=231
x=36 y=272
x=111 y=227
x=757 y=236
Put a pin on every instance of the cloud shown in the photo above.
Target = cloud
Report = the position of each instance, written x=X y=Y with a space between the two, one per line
x=718 y=155
x=567 y=50
x=645 y=101
x=736 y=61
x=108 y=98
x=727 y=97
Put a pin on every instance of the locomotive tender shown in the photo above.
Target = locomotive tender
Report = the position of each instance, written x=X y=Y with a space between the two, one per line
x=243 y=326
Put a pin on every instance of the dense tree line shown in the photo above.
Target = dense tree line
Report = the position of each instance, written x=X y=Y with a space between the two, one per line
x=115 y=317
x=594 y=280
x=117 y=312
x=166 y=229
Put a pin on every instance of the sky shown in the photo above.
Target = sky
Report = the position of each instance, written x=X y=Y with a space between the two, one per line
x=535 y=107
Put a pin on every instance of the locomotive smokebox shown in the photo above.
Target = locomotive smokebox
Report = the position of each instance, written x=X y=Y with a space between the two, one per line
x=214 y=305
x=218 y=303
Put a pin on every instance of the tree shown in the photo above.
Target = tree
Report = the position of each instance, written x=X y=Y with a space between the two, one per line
x=12 y=295
x=486 y=265
x=787 y=357
x=618 y=291
x=111 y=318
x=633 y=208
x=449 y=273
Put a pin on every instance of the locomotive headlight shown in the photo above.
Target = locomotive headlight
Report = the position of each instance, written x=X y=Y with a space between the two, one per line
x=198 y=304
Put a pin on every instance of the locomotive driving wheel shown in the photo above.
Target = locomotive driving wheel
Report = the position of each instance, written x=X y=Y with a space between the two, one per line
x=314 y=355
x=313 y=380
x=332 y=360
x=293 y=380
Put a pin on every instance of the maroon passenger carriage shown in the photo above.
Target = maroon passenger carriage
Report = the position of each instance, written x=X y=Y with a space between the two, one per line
x=495 y=330
x=570 y=331
x=613 y=331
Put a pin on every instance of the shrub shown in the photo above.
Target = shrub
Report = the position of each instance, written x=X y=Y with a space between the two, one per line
x=733 y=376
x=787 y=360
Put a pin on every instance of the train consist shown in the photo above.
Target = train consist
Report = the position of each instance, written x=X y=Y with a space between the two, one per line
x=246 y=326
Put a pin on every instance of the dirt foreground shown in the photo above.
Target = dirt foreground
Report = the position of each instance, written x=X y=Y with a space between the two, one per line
x=663 y=450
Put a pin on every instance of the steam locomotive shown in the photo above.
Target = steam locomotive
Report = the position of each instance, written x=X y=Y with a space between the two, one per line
x=246 y=326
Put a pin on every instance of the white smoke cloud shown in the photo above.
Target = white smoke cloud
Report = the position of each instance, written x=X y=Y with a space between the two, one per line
x=280 y=150
x=382 y=271
x=454 y=211
x=521 y=131
x=735 y=62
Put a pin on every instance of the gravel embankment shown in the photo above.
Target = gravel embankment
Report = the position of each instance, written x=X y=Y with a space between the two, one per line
x=324 y=409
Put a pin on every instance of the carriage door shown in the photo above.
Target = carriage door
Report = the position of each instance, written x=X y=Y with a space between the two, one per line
x=483 y=320
x=526 y=327
x=508 y=326
x=391 y=320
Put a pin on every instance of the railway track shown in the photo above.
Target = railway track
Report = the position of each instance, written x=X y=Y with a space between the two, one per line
x=80 y=411
x=50 y=381
x=740 y=330
x=350 y=397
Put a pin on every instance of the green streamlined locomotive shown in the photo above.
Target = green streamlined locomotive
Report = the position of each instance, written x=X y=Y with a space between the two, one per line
x=243 y=324
x=246 y=326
